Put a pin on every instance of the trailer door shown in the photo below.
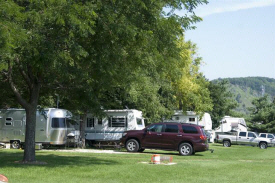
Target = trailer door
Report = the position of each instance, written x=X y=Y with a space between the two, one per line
x=41 y=132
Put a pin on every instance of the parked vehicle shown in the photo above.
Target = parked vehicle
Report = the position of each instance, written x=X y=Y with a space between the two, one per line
x=51 y=126
x=111 y=128
x=269 y=136
x=193 y=118
x=243 y=138
x=229 y=124
x=185 y=138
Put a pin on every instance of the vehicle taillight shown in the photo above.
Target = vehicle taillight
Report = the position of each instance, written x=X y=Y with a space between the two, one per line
x=203 y=137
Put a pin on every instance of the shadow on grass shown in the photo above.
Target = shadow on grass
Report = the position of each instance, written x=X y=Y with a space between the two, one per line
x=174 y=153
x=9 y=159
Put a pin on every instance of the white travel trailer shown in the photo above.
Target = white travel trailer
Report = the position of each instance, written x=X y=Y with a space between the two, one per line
x=111 y=127
x=193 y=118
x=230 y=124
x=51 y=126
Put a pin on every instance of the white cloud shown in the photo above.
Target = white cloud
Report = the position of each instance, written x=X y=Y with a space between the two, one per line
x=221 y=6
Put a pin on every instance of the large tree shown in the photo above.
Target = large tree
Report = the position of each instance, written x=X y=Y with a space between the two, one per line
x=262 y=117
x=222 y=99
x=95 y=47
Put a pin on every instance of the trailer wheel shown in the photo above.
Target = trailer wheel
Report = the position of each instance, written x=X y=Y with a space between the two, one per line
x=226 y=143
x=15 y=144
x=185 y=149
x=263 y=145
x=132 y=145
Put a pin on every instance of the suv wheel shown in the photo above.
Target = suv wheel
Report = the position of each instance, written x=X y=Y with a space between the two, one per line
x=185 y=149
x=132 y=145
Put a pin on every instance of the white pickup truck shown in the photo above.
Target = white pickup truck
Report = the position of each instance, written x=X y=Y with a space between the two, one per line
x=244 y=138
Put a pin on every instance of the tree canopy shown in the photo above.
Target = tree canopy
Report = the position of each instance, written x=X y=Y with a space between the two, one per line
x=97 y=54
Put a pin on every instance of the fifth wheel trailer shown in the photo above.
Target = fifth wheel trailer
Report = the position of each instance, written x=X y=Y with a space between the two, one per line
x=52 y=126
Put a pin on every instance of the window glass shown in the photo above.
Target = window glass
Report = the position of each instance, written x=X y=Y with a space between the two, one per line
x=117 y=122
x=139 y=121
x=189 y=129
x=8 y=123
x=90 y=122
x=172 y=128
x=263 y=135
x=155 y=128
x=242 y=134
x=251 y=135
x=192 y=119
x=99 y=121
x=270 y=136
x=58 y=123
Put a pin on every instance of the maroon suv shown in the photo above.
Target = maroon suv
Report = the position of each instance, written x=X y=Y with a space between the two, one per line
x=185 y=138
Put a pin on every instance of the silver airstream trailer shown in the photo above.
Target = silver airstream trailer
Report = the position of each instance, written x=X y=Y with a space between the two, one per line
x=51 y=126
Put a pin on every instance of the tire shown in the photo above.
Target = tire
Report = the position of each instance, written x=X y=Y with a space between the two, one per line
x=141 y=150
x=15 y=144
x=132 y=145
x=263 y=145
x=185 y=149
x=226 y=143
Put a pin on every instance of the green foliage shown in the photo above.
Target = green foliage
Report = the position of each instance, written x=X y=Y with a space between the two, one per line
x=223 y=102
x=262 y=116
x=247 y=89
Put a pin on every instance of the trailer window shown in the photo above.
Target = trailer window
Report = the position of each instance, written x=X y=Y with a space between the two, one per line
x=90 y=122
x=192 y=120
x=8 y=123
x=117 y=122
x=58 y=123
x=99 y=121
x=139 y=121
x=8 y=119
x=189 y=129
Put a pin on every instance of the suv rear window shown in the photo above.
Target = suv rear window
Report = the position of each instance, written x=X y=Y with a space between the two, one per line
x=189 y=129
x=172 y=128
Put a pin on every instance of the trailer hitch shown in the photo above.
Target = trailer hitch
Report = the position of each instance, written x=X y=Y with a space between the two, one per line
x=212 y=150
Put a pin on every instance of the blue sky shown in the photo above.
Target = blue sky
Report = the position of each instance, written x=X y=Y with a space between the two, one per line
x=236 y=38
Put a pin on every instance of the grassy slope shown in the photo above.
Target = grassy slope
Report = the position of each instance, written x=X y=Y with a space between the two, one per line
x=234 y=164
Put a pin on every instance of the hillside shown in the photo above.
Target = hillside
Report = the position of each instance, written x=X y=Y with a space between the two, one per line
x=248 y=88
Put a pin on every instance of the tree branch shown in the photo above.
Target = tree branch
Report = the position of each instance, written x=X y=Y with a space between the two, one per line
x=25 y=76
x=17 y=94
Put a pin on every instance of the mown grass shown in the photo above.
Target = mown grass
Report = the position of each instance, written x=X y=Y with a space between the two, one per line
x=234 y=164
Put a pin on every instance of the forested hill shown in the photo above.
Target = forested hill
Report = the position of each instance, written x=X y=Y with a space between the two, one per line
x=248 y=88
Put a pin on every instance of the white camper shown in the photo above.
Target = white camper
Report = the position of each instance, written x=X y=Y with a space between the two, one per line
x=193 y=118
x=51 y=126
x=111 y=127
x=230 y=124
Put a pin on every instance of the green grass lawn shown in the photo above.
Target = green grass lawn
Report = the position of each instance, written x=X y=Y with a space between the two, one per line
x=233 y=164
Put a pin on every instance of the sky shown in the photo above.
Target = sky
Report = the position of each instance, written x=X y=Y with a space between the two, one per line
x=236 y=38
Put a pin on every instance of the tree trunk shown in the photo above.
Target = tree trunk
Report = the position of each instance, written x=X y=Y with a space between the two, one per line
x=29 y=152
x=82 y=129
